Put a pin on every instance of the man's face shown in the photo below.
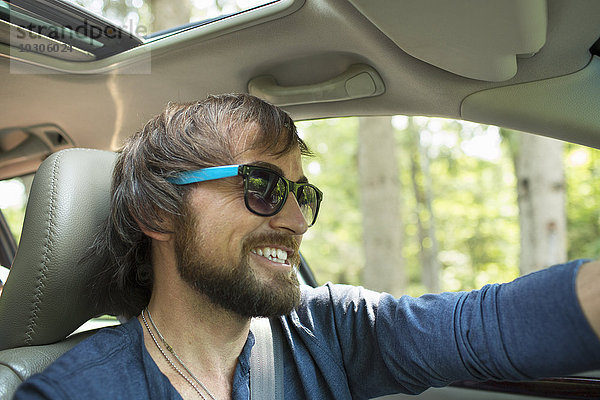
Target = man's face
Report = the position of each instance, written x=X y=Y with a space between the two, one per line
x=243 y=262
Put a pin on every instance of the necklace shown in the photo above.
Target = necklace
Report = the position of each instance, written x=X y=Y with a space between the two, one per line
x=172 y=351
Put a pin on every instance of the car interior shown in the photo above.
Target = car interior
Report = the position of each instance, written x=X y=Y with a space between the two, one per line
x=69 y=100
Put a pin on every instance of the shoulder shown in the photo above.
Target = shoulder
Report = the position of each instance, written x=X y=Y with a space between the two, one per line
x=337 y=295
x=91 y=365
x=354 y=309
x=105 y=347
x=330 y=307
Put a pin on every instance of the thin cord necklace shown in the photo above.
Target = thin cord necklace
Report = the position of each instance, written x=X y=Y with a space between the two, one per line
x=172 y=351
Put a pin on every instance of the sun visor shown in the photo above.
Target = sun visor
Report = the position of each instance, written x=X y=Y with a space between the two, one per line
x=565 y=107
x=475 y=39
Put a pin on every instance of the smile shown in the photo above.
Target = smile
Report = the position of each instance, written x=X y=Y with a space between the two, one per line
x=272 y=254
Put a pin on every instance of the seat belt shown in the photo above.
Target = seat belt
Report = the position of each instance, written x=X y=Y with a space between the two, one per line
x=266 y=361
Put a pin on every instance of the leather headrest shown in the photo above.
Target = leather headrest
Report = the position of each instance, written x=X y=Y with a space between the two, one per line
x=45 y=297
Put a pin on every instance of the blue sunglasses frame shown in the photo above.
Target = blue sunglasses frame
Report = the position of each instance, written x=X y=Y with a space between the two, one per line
x=244 y=170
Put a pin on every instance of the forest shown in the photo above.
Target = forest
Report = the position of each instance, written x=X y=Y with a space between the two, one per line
x=458 y=209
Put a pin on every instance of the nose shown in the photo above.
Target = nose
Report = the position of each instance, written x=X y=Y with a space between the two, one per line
x=290 y=218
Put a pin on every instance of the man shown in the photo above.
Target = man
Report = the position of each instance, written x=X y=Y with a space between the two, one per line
x=208 y=211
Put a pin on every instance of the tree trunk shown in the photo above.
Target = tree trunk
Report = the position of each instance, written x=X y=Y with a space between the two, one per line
x=541 y=196
x=421 y=182
x=380 y=204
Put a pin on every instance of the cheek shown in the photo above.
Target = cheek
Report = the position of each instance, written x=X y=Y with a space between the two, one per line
x=221 y=237
x=222 y=221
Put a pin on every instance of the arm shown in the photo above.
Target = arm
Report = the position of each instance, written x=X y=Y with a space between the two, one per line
x=532 y=327
x=588 y=293
x=539 y=325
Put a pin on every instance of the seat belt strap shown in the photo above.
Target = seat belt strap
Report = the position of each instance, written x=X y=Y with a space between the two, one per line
x=266 y=362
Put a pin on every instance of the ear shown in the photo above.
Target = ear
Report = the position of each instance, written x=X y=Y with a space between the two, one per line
x=159 y=236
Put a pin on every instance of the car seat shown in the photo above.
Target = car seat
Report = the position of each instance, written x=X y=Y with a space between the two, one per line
x=45 y=297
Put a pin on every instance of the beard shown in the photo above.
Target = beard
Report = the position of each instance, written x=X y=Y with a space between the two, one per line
x=235 y=286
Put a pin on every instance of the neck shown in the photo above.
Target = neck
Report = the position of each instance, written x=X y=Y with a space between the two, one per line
x=199 y=325
x=206 y=337
x=191 y=322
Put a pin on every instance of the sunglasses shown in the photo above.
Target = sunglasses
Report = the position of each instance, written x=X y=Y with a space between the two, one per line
x=265 y=191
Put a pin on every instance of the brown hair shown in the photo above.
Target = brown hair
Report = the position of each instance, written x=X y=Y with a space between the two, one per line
x=183 y=137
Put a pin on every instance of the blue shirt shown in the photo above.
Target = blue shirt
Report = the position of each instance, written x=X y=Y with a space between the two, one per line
x=346 y=342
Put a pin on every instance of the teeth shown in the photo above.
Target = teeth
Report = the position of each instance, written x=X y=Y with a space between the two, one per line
x=272 y=254
x=282 y=255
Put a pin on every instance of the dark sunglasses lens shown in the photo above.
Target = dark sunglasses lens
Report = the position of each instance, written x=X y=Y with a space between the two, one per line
x=308 y=202
x=265 y=192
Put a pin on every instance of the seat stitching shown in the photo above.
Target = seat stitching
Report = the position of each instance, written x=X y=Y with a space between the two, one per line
x=42 y=277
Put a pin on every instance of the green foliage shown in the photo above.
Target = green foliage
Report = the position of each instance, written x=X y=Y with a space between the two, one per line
x=475 y=202
x=474 y=205
x=12 y=203
x=14 y=218
x=583 y=194
x=333 y=245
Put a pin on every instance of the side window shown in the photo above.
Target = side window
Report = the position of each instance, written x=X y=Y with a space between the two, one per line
x=13 y=199
x=415 y=205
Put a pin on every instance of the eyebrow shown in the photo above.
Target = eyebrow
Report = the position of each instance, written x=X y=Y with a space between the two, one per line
x=275 y=168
